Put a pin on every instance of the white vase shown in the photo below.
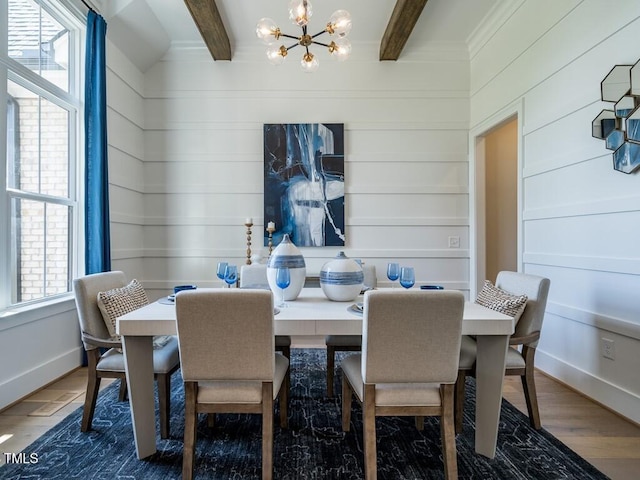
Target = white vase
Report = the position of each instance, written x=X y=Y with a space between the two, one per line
x=286 y=254
x=341 y=279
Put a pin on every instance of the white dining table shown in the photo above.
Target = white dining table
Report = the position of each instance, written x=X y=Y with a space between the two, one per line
x=313 y=314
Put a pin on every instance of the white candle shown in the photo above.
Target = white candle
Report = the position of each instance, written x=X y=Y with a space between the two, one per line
x=248 y=220
x=271 y=226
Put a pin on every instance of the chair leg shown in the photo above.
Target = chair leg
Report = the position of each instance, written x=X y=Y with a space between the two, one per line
x=164 y=403
x=190 y=420
x=529 y=387
x=93 y=386
x=122 y=394
x=331 y=362
x=448 y=432
x=267 y=430
x=347 y=393
x=459 y=400
x=286 y=352
x=211 y=420
x=284 y=399
x=369 y=432
x=420 y=423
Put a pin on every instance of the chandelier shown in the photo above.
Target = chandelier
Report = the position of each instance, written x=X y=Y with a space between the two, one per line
x=300 y=12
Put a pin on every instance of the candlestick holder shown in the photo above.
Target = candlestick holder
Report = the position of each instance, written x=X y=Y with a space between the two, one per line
x=270 y=230
x=248 y=225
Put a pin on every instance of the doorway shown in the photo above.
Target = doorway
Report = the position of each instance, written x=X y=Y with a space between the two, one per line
x=495 y=197
x=501 y=199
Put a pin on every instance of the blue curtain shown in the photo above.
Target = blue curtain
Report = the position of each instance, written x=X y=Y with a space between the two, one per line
x=97 y=234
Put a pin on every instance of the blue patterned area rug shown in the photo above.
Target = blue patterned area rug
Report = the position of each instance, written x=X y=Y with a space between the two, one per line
x=314 y=446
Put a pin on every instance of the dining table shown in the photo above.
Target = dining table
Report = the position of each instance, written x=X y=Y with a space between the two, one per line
x=312 y=313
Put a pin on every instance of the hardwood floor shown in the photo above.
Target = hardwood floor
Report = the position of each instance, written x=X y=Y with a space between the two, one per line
x=603 y=438
x=18 y=429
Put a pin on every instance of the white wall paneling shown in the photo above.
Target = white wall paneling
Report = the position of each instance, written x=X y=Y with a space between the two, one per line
x=577 y=26
x=124 y=98
x=564 y=142
x=256 y=78
x=597 y=184
x=579 y=214
x=406 y=175
x=573 y=236
x=519 y=32
x=42 y=345
x=126 y=171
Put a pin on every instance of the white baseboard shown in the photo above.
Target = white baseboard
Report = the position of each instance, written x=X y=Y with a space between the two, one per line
x=20 y=386
x=623 y=402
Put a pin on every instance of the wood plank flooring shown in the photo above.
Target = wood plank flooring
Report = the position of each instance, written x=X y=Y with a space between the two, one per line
x=606 y=440
x=18 y=429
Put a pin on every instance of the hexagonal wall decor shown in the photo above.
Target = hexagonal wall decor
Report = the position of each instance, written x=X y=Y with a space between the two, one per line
x=627 y=158
x=620 y=127
x=625 y=106
x=614 y=140
x=635 y=79
x=616 y=84
x=633 y=126
x=603 y=124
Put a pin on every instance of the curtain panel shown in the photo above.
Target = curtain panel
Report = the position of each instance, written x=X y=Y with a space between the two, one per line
x=97 y=231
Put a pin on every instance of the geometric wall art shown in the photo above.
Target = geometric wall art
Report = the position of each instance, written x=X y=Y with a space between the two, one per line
x=619 y=126
x=304 y=182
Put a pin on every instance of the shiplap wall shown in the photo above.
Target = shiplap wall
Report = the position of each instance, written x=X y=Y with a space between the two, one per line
x=580 y=217
x=406 y=160
x=125 y=119
x=44 y=341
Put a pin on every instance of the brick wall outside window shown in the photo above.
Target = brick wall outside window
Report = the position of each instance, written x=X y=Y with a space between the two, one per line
x=44 y=229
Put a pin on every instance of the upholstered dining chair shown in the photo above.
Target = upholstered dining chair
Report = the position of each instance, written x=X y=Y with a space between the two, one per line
x=408 y=365
x=255 y=276
x=522 y=344
x=346 y=343
x=228 y=362
x=104 y=352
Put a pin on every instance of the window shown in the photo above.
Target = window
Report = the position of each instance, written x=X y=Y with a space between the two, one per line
x=42 y=120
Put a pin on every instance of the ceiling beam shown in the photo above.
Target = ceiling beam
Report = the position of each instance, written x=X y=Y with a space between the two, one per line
x=403 y=19
x=207 y=18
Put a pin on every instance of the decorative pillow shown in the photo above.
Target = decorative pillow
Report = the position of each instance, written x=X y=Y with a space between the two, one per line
x=120 y=301
x=504 y=302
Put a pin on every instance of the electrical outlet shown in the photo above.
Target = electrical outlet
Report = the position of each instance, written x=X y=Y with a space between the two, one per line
x=454 y=242
x=608 y=348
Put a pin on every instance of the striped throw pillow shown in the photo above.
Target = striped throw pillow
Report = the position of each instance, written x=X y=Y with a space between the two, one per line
x=504 y=302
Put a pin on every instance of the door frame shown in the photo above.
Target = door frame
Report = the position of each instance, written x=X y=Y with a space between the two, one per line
x=477 y=194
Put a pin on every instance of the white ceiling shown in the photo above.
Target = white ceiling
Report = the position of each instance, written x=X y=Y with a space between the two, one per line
x=146 y=29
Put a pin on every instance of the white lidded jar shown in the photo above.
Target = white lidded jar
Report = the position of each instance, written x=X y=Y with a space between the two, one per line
x=286 y=254
x=341 y=279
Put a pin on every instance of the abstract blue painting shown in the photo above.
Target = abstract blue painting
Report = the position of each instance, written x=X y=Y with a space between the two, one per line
x=304 y=182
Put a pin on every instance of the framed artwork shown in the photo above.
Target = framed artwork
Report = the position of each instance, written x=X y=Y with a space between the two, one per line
x=304 y=182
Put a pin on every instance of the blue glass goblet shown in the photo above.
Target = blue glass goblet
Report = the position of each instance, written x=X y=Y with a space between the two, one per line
x=283 y=280
x=231 y=275
x=220 y=271
x=407 y=277
x=393 y=271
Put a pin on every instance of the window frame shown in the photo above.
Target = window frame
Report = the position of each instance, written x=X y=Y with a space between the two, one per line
x=72 y=101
